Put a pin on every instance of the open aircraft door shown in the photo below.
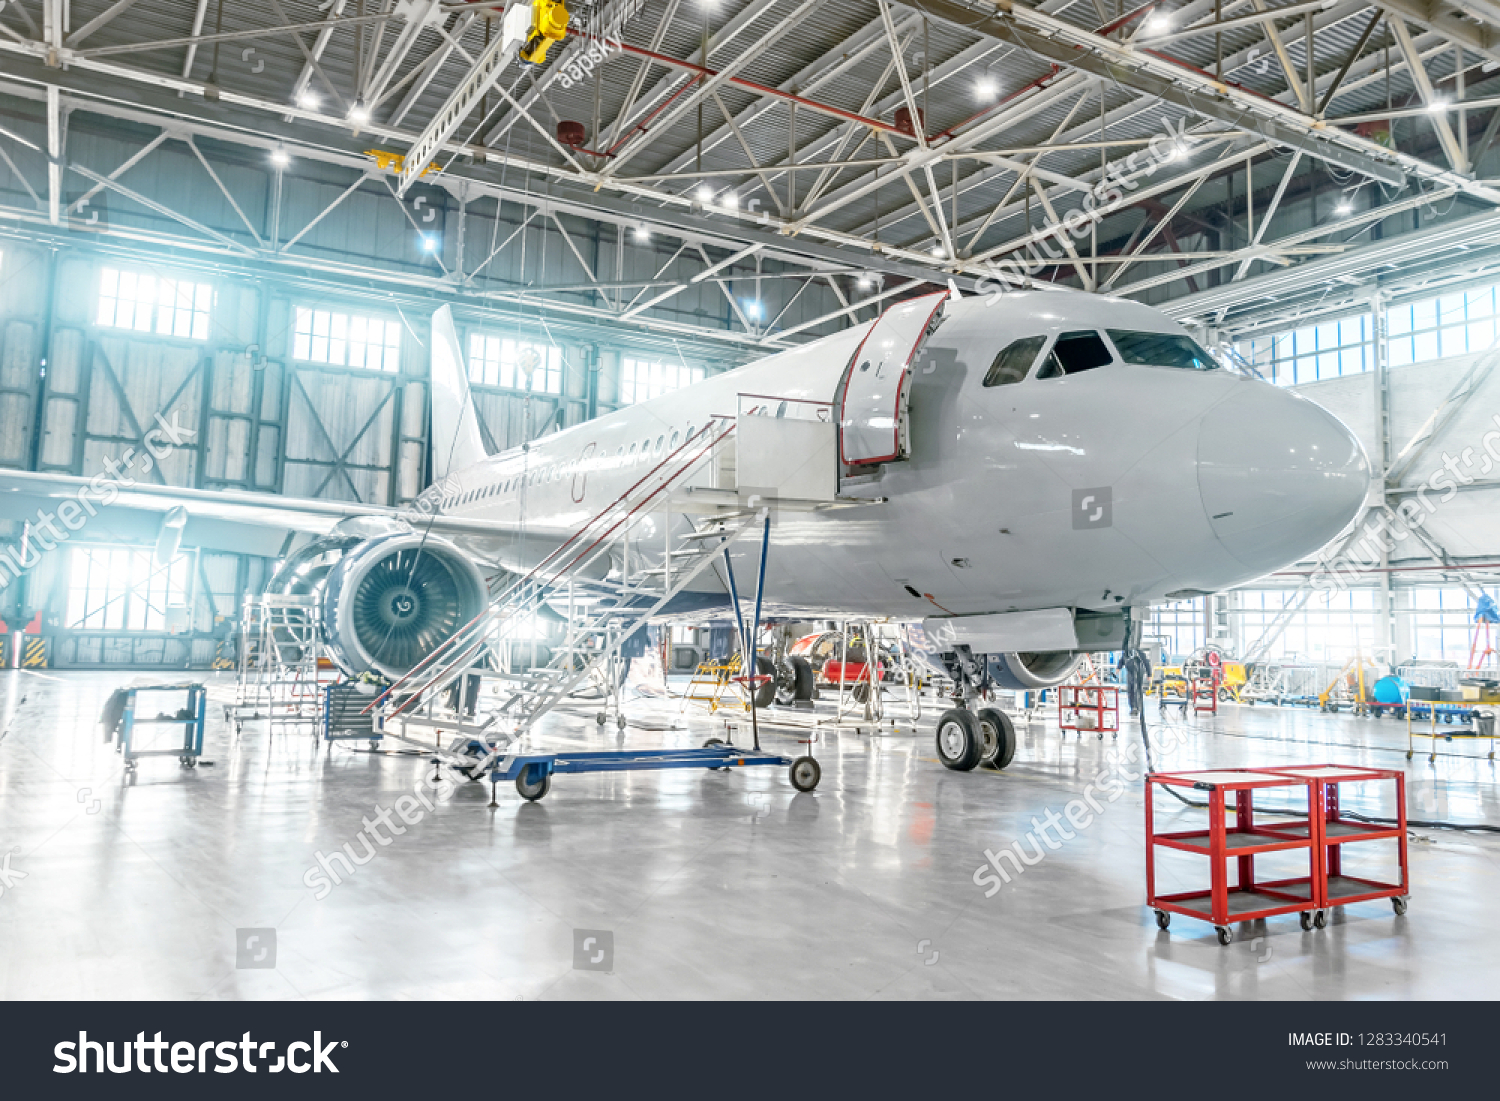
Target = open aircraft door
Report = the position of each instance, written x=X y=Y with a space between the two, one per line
x=876 y=392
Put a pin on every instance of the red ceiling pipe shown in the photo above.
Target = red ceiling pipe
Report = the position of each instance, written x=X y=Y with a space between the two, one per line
x=1039 y=82
x=761 y=89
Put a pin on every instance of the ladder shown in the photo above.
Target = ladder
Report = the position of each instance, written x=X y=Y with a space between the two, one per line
x=604 y=611
x=282 y=667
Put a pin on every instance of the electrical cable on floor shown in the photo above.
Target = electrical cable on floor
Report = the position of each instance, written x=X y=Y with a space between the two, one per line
x=1137 y=671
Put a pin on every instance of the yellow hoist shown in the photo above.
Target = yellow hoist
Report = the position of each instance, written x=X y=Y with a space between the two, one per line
x=387 y=161
x=549 y=24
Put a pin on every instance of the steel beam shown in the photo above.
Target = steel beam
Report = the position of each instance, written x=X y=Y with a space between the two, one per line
x=1152 y=73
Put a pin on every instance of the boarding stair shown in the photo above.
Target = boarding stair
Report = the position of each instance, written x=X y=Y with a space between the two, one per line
x=608 y=596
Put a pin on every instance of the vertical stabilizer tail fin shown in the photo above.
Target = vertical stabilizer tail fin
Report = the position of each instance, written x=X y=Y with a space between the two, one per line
x=456 y=439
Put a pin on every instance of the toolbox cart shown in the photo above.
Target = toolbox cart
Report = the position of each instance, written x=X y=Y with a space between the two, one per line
x=189 y=718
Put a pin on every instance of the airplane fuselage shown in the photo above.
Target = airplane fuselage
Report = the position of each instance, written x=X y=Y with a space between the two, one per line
x=1121 y=485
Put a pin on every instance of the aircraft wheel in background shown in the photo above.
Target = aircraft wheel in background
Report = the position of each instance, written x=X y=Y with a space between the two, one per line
x=805 y=679
x=765 y=694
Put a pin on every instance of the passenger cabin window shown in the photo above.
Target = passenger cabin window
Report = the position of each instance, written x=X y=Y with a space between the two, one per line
x=1074 y=353
x=1161 y=350
x=1014 y=361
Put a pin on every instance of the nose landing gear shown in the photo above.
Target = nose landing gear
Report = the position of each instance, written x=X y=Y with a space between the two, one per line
x=960 y=744
x=967 y=738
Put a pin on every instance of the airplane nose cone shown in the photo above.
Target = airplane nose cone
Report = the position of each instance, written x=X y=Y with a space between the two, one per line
x=1279 y=476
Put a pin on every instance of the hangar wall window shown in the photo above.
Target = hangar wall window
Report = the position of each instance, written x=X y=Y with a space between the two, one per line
x=1461 y=323
x=1178 y=626
x=1328 y=350
x=642 y=380
x=149 y=303
x=123 y=589
x=1329 y=629
x=502 y=361
x=346 y=340
x=1442 y=623
x=1437 y=328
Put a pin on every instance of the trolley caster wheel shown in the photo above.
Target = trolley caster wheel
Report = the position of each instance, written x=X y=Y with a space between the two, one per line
x=1408 y=756
x=716 y=741
x=1399 y=905
x=1163 y=919
x=805 y=773
x=1224 y=934
x=620 y=721
x=960 y=745
x=999 y=737
x=601 y=718
x=1305 y=918
x=1320 y=919
x=533 y=790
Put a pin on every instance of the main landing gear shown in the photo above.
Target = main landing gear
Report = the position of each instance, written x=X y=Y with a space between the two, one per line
x=967 y=738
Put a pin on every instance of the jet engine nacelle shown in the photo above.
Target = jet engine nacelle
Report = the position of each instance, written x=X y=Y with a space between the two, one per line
x=390 y=601
x=1032 y=671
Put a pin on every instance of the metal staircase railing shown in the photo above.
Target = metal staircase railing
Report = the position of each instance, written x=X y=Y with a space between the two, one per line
x=606 y=612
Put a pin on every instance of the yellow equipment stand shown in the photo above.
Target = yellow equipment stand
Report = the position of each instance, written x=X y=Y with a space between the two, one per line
x=1351 y=677
x=712 y=681
x=1432 y=734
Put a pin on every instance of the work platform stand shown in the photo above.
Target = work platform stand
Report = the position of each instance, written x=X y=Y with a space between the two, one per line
x=282 y=668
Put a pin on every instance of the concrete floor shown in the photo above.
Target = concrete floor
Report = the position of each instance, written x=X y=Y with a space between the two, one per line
x=700 y=884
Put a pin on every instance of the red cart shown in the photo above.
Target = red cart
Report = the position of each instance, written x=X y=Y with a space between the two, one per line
x=1247 y=900
x=1335 y=830
x=1323 y=833
x=1091 y=707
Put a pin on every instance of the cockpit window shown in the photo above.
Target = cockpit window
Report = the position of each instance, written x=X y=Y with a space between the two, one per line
x=1076 y=352
x=1014 y=361
x=1161 y=350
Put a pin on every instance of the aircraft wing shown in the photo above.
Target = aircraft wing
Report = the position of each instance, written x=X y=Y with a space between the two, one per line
x=222 y=520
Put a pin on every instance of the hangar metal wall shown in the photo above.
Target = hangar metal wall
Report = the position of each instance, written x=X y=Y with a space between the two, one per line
x=74 y=394
x=322 y=228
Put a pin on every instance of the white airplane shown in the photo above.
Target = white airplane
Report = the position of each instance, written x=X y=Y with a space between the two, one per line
x=1036 y=471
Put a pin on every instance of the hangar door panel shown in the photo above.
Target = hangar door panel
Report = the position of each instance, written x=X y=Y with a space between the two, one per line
x=872 y=416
